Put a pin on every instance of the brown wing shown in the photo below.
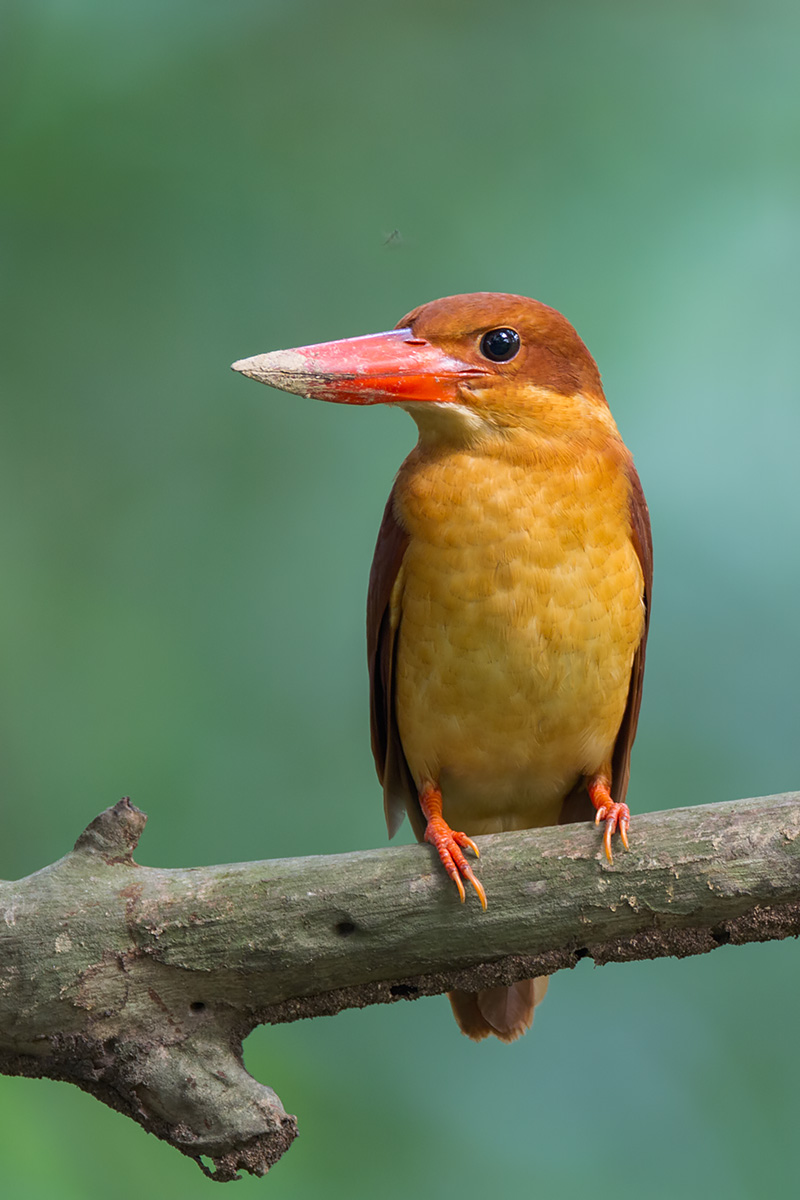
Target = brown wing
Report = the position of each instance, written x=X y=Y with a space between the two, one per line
x=643 y=545
x=399 y=791
x=577 y=806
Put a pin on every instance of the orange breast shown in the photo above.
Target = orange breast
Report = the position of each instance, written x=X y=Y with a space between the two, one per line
x=520 y=609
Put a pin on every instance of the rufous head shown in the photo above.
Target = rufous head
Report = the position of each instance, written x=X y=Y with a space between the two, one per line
x=499 y=360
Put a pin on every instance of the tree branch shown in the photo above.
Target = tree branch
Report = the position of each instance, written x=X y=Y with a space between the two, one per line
x=139 y=984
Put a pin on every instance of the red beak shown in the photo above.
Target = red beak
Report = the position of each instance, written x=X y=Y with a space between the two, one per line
x=381 y=368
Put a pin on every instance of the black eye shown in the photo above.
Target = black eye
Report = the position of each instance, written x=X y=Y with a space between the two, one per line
x=500 y=344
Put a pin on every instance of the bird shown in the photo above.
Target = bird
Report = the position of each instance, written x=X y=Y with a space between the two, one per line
x=509 y=596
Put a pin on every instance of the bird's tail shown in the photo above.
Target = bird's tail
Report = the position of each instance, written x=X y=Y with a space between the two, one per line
x=506 y=1012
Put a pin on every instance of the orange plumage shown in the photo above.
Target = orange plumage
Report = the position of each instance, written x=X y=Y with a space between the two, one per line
x=508 y=601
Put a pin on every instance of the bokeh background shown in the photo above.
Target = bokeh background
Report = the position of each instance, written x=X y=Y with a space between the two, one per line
x=185 y=554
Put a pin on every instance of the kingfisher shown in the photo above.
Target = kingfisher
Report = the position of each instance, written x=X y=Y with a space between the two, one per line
x=509 y=595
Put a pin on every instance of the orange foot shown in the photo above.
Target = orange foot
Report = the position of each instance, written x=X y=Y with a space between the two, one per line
x=616 y=816
x=449 y=843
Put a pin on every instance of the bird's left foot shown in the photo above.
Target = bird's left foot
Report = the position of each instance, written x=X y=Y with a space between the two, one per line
x=617 y=817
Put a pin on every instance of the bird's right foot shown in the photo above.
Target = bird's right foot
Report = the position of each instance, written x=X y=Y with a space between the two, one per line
x=449 y=843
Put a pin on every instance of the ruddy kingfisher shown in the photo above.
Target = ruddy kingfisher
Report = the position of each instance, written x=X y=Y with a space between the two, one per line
x=509 y=594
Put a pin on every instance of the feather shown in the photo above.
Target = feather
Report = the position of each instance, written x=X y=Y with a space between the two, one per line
x=643 y=545
x=399 y=790
x=504 y=1012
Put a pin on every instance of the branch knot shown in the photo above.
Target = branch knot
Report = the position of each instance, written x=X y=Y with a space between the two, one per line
x=115 y=834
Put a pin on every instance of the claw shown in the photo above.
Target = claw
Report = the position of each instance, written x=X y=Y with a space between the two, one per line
x=454 y=875
x=607 y=839
x=447 y=853
x=476 y=883
x=623 y=832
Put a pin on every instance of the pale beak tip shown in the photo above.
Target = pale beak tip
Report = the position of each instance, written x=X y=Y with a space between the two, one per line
x=244 y=366
x=285 y=369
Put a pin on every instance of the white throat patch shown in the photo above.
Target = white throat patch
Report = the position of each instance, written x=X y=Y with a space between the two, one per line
x=446 y=421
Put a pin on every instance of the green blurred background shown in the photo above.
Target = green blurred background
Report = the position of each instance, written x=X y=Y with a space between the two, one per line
x=185 y=554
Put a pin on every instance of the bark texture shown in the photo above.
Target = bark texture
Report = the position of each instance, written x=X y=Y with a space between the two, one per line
x=139 y=984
